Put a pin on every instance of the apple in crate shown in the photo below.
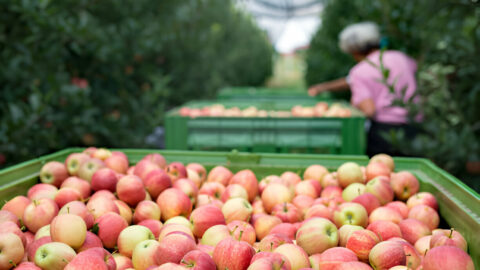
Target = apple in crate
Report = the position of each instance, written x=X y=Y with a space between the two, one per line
x=173 y=247
x=332 y=258
x=317 y=235
x=446 y=258
x=11 y=250
x=74 y=161
x=176 y=170
x=39 y=213
x=295 y=255
x=130 y=189
x=54 y=256
x=89 y=167
x=173 y=202
x=198 y=260
x=237 y=209
x=315 y=172
x=273 y=240
x=248 y=180
x=205 y=217
x=69 y=229
x=80 y=185
x=232 y=254
x=213 y=235
x=40 y=191
x=404 y=185
x=130 y=237
x=275 y=194
x=146 y=210
x=219 y=174
x=350 y=213
x=386 y=255
x=110 y=225
x=450 y=237
x=53 y=173
x=143 y=255
x=17 y=206
x=349 y=173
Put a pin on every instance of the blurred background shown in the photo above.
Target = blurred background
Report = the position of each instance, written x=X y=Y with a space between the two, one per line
x=103 y=73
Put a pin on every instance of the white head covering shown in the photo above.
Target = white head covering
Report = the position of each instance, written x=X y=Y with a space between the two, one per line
x=359 y=37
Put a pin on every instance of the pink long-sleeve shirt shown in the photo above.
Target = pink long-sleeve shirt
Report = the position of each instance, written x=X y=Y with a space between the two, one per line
x=365 y=82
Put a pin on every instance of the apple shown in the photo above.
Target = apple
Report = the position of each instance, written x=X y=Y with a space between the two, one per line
x=154 y=225
x=423 y=244
x=248 y=180
x=173 y=228
x=385 y=229
x=219 y=174
x=130 y=237
x=32 y=248
x=101 y=153
x=54 y=173
x=198 y=260
x=380 y=188
x=361 y=243
x=16 y=206
x=237 y=209
x=80 y=209
x=412 y=230
x=331 y=258
x=295 y=255
x=330 y=180
x=11 y=250
x=199 y=170
x=425 y=214
x=146 y=210
x=447 y=257
x=43 y=231
x=349 y=173
x=176 y=170
x=156 y=181
x=315 y=172
x=424 y=198
x=404 y=185
x=234 y=191
x=103 y=193
x=180 y=220
x=89 y=151
x=101 y=205
x=331 y=192
x=213 y=189
x=122 y=262
x=317 y=235
x=279 y=261
x=69 y=229
x=173 y=202
x=386 y=255
x=350 y=213
x=375 y=169
x=7 y=216
x=80 y=185
x=287 y=212
x=156 y=158
x=27 y=266
x=130 y=189
x=367 y=200
x=385 y=213
x=400 y=207
x=275 y=194
x=104 y=178
x=169 y=266
x=353 y=266
x=117 y=162
x=54 y=256
x=264 y=224
x=205 y=217
x=319 y=210
x=91 y=241
x=306 y=188
x=267 y=263
x=188 y=187
x=143 y=255
x=144 y=167
x=291 y=177
x=124 y=210
x=66 y=195
x=272 y=241
x=447 y=238
x=74 y=161
x=214 y=235
x=40 y=191
x=302 y=202
x=173 y=247
x=243 y=231
x=413 y=258
x=232 y=254
x=39 y=213
x=352 y=191
x=385 y=159
x=110 y=225
x=94 y=258
x=89 y=167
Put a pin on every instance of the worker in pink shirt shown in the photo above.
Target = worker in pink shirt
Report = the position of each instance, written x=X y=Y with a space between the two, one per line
x=372 y=93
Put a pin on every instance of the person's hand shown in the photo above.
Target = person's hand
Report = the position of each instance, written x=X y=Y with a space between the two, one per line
x=318 y=88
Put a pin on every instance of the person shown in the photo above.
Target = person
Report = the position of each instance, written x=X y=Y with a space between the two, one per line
x=375 y=84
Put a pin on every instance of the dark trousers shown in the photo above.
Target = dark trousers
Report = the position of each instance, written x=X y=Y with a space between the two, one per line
x=376 y=143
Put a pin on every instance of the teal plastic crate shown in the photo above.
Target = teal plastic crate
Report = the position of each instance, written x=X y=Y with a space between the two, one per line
x=333 y=135
x=458 y=204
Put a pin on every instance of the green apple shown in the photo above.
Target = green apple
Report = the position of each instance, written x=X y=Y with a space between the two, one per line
x=352 y=191
x=54 y=256
x=350 y=213
x=143 y=255
x=317 y=235
x=11 y=250
x=131 y=236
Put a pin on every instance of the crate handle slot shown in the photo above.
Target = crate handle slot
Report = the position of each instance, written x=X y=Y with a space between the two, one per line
x=242 y=158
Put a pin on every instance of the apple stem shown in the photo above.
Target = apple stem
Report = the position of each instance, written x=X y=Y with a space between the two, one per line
x=35 y=202
x=285 y=207
x=425 y=253
x=271 y=246
x=451 y=232
x=68 y=210
x=240 y=236
x=281 y=264
x=234 y=229
x=12 y=263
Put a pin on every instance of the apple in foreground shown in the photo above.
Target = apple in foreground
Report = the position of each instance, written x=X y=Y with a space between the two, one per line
x=11 y=250
x=387 y=254
x=331 y=258
x=54 y=256
x=350 y=213
x=39 y=213
x=361 y=242
x=213 y=235
x=447 y=258
x=404 y=185
x=17 y=206
x=110 y=225
x=349 y=173
x=295 y=255
x=317 y=235
x=173 y=247
x=69 y=229
x=143 y=255
x=130 y=237
x=198 y=260
x=232 y=254
x=205 y=217
x=54 y=173
x=173 y=202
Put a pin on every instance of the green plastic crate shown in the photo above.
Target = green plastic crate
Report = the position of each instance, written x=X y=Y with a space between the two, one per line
x=329 y=135
x=459 y=206
x=269 y=94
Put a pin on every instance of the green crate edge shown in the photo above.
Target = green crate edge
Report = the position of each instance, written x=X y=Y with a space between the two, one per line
x=458 y=202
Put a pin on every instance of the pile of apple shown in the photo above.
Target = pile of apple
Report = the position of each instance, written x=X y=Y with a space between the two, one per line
x=94 y=211
x=321 y=109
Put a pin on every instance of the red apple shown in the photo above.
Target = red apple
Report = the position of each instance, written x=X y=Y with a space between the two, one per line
x=280 y=262
x=425 y=214
x=104 y=178
x=234 y=191
x=91 y=241
x=385 y=229
x=32 y=248
x=157 y=159
x=80 y=185
x=331 y=192
x=146 y=210
x=66 y=195
x=27 y=266
x=386 y=255
x=446 y=258
x=219 y=174
x=39 y=213
x=361 y=243
x=144 y=167
x=17 y=206
x=174 y=202
x=385 y=159
x=205 y=217
x=306 y=188
x=173 y=247
x=110 y=225
x=270 y=242
x=93 y=258
x=156 y=181
x=89 y=167
x=176 y=170
x=12 y=250
x=423 y=244
x=380 y=188
x=69 y=229
x=8 y=216
x=317 y=235
x=315 y=172
x=188 y=187
x=130 y=189
x=117 y=162
x=40 y=191
x=237 y=209
x=291 y=177
x=124 y=210
x=302 y=202
x=425 y=198
x=80 y=209
x=295 y=255
x=404 y=185
x=319 y=210
x=101 y=205
x=412 y=230
x=349 y=173
x=330 y=180
x=198 y=260
x=54 y=173
x=369 y=201
x=264 y=224
x=232 y=254
x=154 y=225
x=275 y=194
x=213 y=189
x=175 y=228
x=199 y=170
x=375 y=169
x=248 y=180
x=447 y=238
x=10 y=227
x=400 y=207
x=385 y=213
x=243 y=231
x=287 y=212
x=332 y=257
x=122 y=262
